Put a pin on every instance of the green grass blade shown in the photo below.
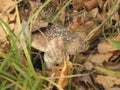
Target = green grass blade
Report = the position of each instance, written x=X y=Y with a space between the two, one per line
x=115 y=43
x=7 y=74
x=54 y=19
x=36 y=83
x=23 y=73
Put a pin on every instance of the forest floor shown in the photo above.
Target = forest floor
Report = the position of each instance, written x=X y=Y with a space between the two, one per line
x=59 y=44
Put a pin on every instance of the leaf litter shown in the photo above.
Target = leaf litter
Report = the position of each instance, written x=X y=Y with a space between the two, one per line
x=92 y=27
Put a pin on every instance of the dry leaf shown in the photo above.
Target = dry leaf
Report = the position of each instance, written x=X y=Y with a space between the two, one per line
x=62 y=71
x=6 y=7
x=78 y=4
x=100 y=58
x=117 y=38
x=88 y=81
x=37 y=24
x=107 y=81
x=87 y=4
x=105 y=46
x=82 y=25
x=4 y=46
x=34 y=5
x=91 y=4
x=3 y=35
x=94 y=12
x=6 y=4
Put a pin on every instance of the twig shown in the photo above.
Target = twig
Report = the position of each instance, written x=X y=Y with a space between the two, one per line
x=71 y=76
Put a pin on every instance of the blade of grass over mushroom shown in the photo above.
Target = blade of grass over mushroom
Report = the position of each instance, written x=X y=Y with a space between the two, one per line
x=30 y=38
x=115 y=43
x=43 y=66
x=23 y=43
x=54 y=19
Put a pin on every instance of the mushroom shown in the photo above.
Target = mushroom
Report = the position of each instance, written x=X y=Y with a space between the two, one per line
x=57 y=43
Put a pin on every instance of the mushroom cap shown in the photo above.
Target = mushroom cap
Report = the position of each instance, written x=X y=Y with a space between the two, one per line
x=57 y=43
x=40 y=41
x=72 y=40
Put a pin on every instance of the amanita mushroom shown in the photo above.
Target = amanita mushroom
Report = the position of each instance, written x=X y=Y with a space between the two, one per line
x=57 y=43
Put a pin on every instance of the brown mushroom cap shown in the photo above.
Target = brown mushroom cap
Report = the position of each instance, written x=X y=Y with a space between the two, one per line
x=72 y=40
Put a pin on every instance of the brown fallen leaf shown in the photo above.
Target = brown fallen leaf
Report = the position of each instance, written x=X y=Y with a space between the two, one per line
x=105 y=46
x=78 y=4
x=107 y=81
x=89 y=82
x=6 y=14
x=83 y=25
x=94 y=12
x=87 y=4
x=38 y=24
x=100 y=58
x=6 y=4
x=62 y=71
x=4 y=47
x=3 y=35
x=91 y=4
